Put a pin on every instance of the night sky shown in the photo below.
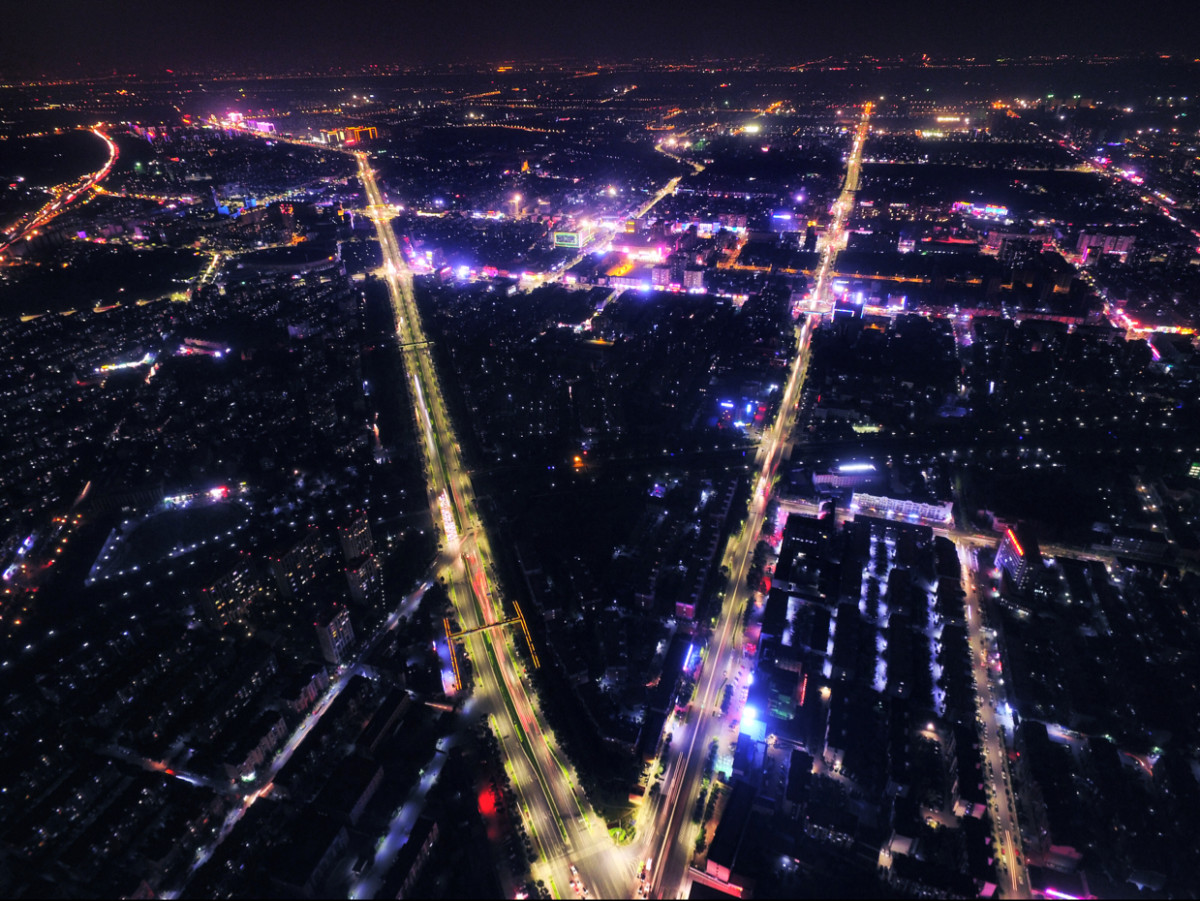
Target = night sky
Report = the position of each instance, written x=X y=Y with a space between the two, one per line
x=141 y=36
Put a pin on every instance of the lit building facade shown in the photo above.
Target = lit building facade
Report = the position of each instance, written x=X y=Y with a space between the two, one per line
x=1019 y=556
x=335 y=635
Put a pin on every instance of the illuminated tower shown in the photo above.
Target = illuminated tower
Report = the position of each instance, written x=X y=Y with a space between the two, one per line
x=1019 y=555
x=365 y=580
x=355 y=536
x=335 y=635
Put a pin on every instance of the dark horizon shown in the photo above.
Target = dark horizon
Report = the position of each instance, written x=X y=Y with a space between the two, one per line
x=65 y=38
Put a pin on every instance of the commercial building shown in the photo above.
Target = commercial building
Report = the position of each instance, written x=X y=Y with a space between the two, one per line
x=1019 y=556
x=847 y=475
x=349 y=134
x=727 y=840
x=1091 y=246
x=915 y=511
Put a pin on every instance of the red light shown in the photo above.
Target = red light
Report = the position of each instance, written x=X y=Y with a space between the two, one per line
x=487 y=803
x=1016 y=544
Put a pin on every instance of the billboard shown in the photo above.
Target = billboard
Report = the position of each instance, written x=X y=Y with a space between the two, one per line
x=568 y=239
x=982 y=210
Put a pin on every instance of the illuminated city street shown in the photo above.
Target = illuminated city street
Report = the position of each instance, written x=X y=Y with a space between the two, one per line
x=579 y=456
x=64 y=197
x=1000 y=789
x=672 y=835
x=566 y=832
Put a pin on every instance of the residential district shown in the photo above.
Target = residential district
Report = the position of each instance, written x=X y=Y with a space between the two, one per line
x=662 y=480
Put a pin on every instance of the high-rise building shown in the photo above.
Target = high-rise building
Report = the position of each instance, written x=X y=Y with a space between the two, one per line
x=230 y=597
x=335 y=635
x=355 y=536
x=365 y=579
x=1019 y=555
x=1019 y=251
x=298 y=565
x=678 y=263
